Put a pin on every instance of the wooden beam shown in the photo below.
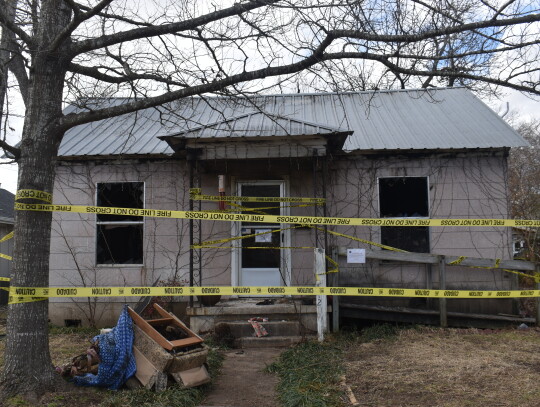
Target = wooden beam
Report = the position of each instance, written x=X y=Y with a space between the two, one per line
x=319 y=267
x=335 y=298
x=418 y=311
x=443 y=316
x=428 y=258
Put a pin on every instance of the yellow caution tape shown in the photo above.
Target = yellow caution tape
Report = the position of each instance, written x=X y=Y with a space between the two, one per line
x=198 y=197
x=457 y=261
x=5 y=256
x=195 y=191
x=5 y=279
x=17 y=293
x=301 y=220
x=33 y=194
x=7 y=237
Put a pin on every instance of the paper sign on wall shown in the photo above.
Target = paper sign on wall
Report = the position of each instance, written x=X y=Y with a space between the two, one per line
x=266 y=238
x=356 y=255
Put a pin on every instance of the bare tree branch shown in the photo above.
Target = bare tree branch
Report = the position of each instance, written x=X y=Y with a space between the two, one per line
x=72 y=120
x=152 y=31
x=14 y=151
x=76 y=22
x=6 y=22
x=410 y=38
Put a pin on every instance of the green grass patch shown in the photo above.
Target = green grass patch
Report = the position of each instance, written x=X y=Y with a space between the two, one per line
x=173 y=396
x=310 y=375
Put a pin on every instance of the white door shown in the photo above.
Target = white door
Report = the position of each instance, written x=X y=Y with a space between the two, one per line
x=266 y=266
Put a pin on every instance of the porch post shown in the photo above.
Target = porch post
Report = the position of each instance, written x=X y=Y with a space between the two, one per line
x=322 y=307
x=191 y=185
x=442 y=286
x=537 y=298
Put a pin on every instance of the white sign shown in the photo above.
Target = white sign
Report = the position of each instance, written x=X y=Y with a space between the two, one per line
x=356 y=255
x=266 y=238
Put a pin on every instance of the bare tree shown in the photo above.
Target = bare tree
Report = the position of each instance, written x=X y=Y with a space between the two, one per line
x=158 y=52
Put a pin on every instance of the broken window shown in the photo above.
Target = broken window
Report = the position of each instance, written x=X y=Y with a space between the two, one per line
x=404 y=197
x=120 y=237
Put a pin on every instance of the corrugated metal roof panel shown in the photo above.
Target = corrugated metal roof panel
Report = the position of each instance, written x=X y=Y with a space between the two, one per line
x=451 y=118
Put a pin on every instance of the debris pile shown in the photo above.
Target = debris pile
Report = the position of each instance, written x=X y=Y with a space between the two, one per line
x=166 y=348
x=142 y=353
x=109 y=362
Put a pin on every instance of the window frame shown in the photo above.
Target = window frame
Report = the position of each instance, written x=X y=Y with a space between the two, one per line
x=121 y=223
x=426 y=177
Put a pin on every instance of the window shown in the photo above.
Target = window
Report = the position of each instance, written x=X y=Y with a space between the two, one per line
x=404 y=197
x=120 y=237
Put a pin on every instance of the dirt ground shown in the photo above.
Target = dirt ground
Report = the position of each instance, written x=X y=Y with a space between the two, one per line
x=242 y=382
x=419 y=367
x=432 y=367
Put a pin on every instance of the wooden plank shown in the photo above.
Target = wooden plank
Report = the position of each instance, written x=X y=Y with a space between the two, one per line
x=186 y=342
x=184 y=326
x=150 y=331
x=403 y=310
x=335 y=298
x=428 y=258
x=192 y=377
x=146 y=371
x=321 y=301
x=179 y=323
x=538 y=300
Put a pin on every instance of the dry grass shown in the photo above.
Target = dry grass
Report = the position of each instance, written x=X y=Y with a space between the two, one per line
x=433 y=367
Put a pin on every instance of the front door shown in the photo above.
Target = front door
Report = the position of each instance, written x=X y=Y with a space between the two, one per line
x=266 y=266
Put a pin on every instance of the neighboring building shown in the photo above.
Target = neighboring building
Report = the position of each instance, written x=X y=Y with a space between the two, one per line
x=414 y=153
x=7 y=220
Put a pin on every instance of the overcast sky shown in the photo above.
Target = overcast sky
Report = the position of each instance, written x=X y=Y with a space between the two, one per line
x=522 y=106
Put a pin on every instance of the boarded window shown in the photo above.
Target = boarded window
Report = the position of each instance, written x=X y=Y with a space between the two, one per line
x=120 y=237
x=404 y=197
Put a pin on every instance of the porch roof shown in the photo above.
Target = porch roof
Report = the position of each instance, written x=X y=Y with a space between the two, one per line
x=257 y=124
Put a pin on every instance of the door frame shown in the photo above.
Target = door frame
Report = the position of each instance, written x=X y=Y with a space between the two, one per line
x=285 y=264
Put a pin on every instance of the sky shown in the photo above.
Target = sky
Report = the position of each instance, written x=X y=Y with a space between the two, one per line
x=519 y=104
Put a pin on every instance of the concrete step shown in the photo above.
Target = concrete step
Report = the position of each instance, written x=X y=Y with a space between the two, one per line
x=240 y=329
x=270 y=341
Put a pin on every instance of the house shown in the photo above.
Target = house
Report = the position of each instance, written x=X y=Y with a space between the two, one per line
x=7 y=220
x=438 y=153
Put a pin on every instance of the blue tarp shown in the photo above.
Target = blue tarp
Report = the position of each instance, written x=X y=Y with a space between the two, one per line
x=116 y=354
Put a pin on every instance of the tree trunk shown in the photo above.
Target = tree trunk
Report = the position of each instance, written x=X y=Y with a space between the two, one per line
x=27 y=364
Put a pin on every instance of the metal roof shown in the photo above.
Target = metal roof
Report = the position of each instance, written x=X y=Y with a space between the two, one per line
x=444 y=118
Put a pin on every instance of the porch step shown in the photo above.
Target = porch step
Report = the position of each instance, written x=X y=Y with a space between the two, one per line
x=269 y=341
x=232 y=311
x=241 y=329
